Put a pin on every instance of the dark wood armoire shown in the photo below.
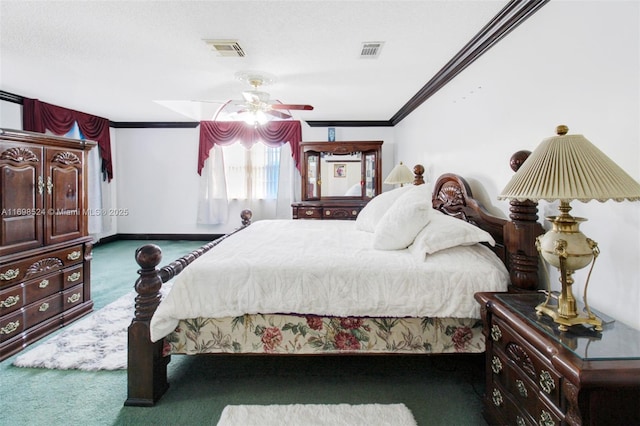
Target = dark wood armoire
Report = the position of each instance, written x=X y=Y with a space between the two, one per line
x=45 y=250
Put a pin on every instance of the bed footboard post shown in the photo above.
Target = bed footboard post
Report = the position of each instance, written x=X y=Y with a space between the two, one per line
x=147 y=368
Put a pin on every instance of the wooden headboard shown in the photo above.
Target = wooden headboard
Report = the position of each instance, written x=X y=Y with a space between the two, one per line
x=515 y=238
x=452 y=196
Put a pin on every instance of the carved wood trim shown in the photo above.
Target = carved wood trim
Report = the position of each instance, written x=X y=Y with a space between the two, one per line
x=570 y=391
x=67 y=158
x=19 y=155
x=44 y=265
x=520 y=356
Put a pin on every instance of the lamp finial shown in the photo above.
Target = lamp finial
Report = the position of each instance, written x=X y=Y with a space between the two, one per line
x=562 y=130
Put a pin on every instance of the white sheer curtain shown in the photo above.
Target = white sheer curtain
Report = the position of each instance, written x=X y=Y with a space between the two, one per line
x=214 y=201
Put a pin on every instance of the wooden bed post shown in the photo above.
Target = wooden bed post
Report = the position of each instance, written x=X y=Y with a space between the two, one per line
x=147 y=368
x=520 y=235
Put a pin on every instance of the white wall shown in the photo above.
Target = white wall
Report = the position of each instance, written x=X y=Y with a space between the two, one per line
x=573 y=63
x=158 y=181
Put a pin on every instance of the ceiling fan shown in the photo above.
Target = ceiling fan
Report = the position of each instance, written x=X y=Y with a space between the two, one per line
x=256 y=106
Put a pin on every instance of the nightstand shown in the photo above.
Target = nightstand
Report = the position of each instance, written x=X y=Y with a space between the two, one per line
x=537 y=375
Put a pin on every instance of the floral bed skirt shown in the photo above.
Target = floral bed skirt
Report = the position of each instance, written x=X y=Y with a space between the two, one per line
x=305 y=334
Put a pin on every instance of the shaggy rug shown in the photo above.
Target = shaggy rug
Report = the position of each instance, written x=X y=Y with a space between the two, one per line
x=317 y=415
x=97 y=342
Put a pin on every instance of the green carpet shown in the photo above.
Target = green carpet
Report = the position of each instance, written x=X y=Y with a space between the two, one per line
x=439 y=390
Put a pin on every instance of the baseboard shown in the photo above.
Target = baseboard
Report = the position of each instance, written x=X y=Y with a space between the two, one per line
x=172 y=237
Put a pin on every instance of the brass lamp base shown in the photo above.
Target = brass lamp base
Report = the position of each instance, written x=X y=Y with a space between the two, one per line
x=565 y=322
x=568 y=249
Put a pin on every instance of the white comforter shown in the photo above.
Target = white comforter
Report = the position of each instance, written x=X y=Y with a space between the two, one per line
x=326 y=268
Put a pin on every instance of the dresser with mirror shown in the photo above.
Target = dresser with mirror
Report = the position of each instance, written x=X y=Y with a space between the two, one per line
x=338 y=178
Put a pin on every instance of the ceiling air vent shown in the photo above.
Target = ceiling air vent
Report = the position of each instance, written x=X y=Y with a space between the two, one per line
x=226 y=47
x=371 y=49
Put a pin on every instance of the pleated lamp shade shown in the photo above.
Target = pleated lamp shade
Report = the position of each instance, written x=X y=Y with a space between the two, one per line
x=399 y=175
x=569 y=167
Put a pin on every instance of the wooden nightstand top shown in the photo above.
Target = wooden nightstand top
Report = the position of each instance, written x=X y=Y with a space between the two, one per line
x=616 y=341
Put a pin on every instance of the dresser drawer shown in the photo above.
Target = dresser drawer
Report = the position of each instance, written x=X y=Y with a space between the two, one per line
x=72 y=276
x=309 y=213
x=42 y=287
x=11 y=299
x=42 y=264
x=72 y=296
x=43 y=309
x=340 y=212
x=11 y=325
x=526 y=362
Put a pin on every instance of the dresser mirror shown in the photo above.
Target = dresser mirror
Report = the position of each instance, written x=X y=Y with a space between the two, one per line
x=340 y=170
x=338 y=178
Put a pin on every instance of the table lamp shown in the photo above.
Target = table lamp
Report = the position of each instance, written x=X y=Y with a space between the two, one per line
x=566 y=168
x=400 y=174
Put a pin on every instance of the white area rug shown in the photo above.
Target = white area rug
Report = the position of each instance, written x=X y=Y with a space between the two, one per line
x=317 y=415
x=98 y=342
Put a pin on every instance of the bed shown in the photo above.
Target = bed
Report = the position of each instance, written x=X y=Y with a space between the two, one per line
x=390 y=282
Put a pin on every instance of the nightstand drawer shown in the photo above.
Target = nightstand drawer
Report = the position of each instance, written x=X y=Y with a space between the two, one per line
x=526 y=362
x=506 y=408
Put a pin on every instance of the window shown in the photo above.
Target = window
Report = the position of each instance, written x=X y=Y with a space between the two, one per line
x=252 y=173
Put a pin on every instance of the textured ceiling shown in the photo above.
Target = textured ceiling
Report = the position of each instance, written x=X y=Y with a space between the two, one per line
x=115 y=58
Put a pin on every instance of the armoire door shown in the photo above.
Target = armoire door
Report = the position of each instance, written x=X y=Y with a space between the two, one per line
x=21 y=197
x=64 y=188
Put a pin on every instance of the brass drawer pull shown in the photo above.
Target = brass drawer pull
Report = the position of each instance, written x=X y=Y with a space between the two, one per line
x=10 y=327
x=74 y=255
x=9 y=301
x=496 y=396
x=546 y=382
x=545 y=419
x=327 y=212
x=74 y=277
x=496 y=365
x=521 y=388
x=496 y=333
x=44 y=307
x=73 y=298
x=43 y=284
x=9 y=275
x=354 y=212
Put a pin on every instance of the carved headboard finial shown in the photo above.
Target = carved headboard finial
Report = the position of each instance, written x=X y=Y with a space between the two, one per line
x=517 y=159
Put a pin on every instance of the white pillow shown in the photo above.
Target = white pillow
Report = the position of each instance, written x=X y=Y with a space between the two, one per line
x=399 y=226
x=444 y=232
x=371 y=214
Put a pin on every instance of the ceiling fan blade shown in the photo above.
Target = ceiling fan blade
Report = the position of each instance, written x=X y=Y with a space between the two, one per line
x=278 y=114
x=292 y=107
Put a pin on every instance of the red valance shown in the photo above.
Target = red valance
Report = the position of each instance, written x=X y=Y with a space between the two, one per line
x=273 y=133
x=38 y=116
